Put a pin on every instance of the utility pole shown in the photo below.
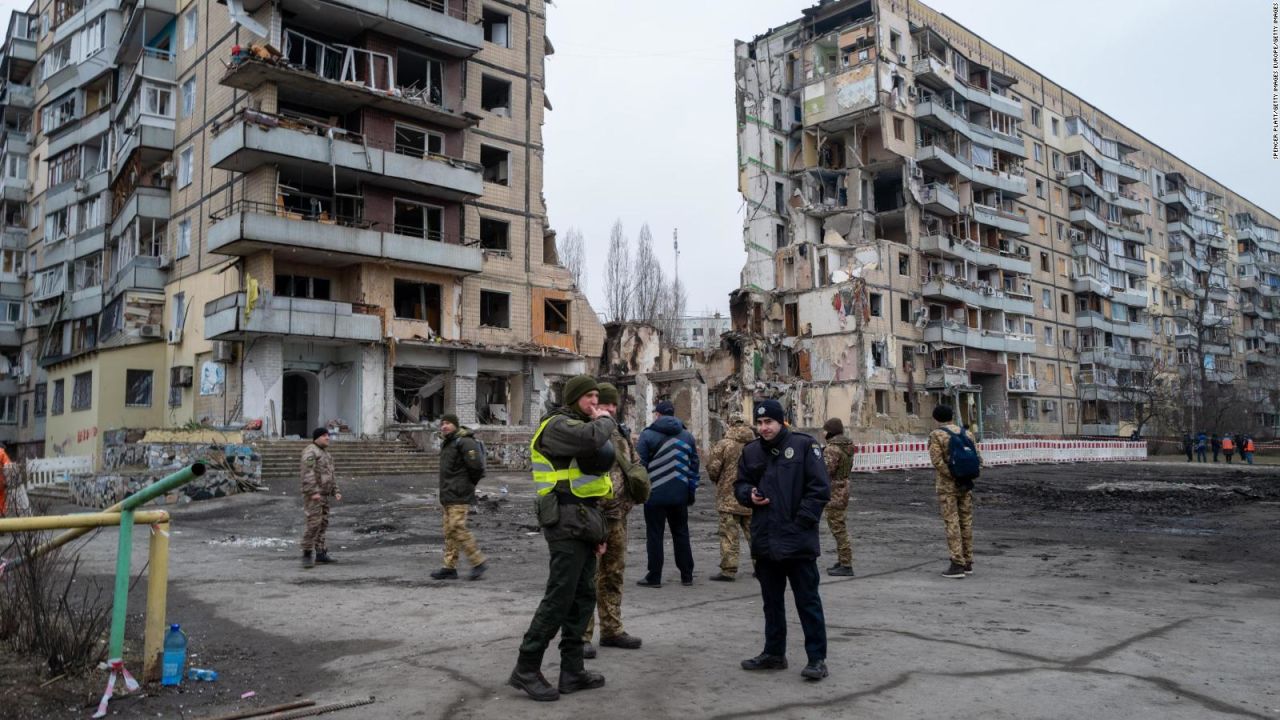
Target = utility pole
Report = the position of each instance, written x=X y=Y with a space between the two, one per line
x=675 y=243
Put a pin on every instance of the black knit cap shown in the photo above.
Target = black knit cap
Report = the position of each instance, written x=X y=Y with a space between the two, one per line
x=770 y=409
x=833 y=427
x=577 y=386
x=450 y=418
x=319 y=433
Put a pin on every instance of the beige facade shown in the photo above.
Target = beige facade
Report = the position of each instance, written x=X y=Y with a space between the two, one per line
x=932 y=221
x=317 y=213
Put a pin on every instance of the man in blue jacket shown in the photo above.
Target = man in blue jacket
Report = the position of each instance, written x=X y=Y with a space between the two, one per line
x=670 y=454
x=783 y=479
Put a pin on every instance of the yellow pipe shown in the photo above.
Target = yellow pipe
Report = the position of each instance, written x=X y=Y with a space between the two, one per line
x=85 y=521
x=157 y=598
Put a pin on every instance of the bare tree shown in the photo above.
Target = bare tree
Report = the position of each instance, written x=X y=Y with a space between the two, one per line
x=649 y=280
x=1202 y=332
x=618 y=275
x=573 y=257
x=1148 y=392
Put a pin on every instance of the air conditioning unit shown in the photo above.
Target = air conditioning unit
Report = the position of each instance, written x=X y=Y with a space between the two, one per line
x=1024 y=251
x=902 y=59
x=175 y=336
x=224 y=351
x=181 y=376
x=164 y=261
x=167 y=170
x=81 y=185
x=922 y=349
x=150 y=331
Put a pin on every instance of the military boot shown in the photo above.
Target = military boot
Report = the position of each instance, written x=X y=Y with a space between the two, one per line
x=571 y=682
x=322 y=557
x=534 y=683
x=624 y=641
x=445 y=574
x=307 y=561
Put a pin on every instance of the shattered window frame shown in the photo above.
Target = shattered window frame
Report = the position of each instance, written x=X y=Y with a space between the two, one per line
x=138 y=386
x=82 y=391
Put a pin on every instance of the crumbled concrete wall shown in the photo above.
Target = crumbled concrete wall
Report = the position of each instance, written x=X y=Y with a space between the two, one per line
x=101 y=491
x=506 y=447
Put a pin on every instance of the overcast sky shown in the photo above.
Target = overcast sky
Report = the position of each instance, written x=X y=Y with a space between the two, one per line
x=643 y=126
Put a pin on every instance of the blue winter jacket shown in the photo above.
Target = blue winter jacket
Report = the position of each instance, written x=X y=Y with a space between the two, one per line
x=791 y=473
x=670 y=454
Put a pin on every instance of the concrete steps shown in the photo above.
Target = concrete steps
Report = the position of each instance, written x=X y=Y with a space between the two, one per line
x=352 y=458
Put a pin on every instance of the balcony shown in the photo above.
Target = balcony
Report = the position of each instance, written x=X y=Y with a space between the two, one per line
x=148 y=17
x=14 y=188
x=1003 y=181
x=298 y=85
x=1192 y=259
x=247 y=227
x=970 y=251
x=956 y=334
x=1180 y=226
x=1085 y=216
x=1022 y=384
x=940 y=199
x=1007 y=221
x=978 y=295
x=147 y=203
x=17 y=95
x=1131 y=298
x=1091 y=320
x=157 y=66
x=938 y=114
x=1127 y=202
x=85 y=303
x=1133 y=233
x=1177 y=197
x=1081 y=180
x=1133 y=265
x=259 y=139
x=150 y=135
x=948 y=376
x=143 y=272
x=1108 y=357
x=439 y=25
x=224 y=319
x=1089 y=284
x=940 y=159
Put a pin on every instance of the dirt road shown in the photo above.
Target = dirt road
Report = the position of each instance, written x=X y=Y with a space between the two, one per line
x=1137 y=590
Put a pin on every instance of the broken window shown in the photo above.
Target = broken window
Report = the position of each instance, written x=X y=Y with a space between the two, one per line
x=418 y=220
x=909 y=401
x=495 y=95
x=899 y=129
x=904 y=311
x=908 y=357
x=791 y=316
x=777 y=156
x=82 y=391
x=494 y=160
x=495 y=235
x=555 y=317
x=780 y=235
x=495 y=309
x=137 y=388
x=418 y=301
x=496 y=27
x=904 y=264
x=882 y=402
x=877 y=305
x=878 y=353
x=777 y=113
x=58 y=403
x=779 y=202
x=492 y=397
x=418 y=142
x=419 y=76
x=302 y=286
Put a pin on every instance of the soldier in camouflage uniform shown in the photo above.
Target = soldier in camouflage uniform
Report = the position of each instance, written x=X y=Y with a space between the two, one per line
x=838 y=455
x=955 y=504
x=613 y=562
x=735 y=518
x=461 y=467
x=318 y=488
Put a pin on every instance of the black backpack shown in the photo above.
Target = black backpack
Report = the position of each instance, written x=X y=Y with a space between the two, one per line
x=962 y=459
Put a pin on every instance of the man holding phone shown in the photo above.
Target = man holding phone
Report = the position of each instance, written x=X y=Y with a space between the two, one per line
x=783 y=479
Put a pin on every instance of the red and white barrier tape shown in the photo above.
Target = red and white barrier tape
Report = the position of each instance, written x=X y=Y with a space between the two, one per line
x=130 y=685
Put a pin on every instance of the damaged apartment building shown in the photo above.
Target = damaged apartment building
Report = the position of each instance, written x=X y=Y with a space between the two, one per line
x=928 y=220
x=294 y=212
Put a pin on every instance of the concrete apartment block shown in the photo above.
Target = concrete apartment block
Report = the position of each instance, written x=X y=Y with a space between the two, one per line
x=932 y=221
x=316 y=214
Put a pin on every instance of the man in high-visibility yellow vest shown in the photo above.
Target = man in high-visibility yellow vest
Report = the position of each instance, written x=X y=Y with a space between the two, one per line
x=571 y=454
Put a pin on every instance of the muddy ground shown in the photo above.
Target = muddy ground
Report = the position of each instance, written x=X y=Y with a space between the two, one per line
x=1138 y=589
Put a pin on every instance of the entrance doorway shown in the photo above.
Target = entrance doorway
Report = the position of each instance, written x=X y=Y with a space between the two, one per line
x=298 y=399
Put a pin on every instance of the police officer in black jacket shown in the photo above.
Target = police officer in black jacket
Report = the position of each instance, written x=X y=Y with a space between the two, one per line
x=783 y=479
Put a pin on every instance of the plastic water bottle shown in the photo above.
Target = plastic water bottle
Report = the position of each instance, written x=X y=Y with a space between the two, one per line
x=175 y=656
x=202 y=674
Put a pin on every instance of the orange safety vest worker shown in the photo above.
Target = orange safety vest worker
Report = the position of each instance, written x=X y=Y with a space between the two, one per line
x=1248 y=445
x=1228 y=444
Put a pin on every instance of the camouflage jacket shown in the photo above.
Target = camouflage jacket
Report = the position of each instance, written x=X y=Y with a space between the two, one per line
x=939 y=441
x=722 y=468
x=838 y=455
x=621 y=503
x=317 y=472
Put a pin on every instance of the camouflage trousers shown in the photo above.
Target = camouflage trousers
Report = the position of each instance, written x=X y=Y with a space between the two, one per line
x=317 y=516
x=730 y=526
x=458 y=538
x=609 y=581
x=957 y=517
x=839 y=527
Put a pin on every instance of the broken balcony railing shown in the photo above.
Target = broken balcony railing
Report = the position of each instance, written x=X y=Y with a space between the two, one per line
x=321 y=211
x=349 y=64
